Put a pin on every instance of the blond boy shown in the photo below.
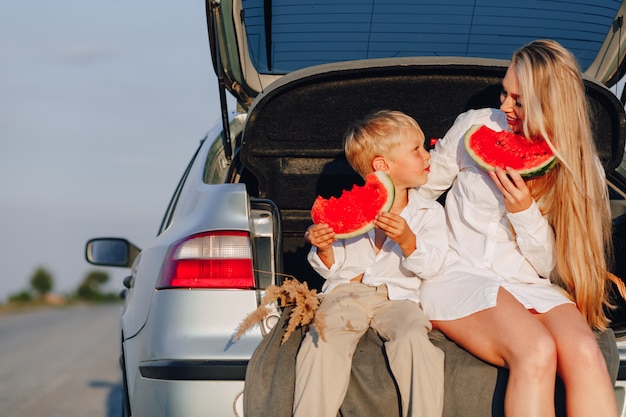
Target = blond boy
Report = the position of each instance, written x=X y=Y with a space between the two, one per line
x=373 y=280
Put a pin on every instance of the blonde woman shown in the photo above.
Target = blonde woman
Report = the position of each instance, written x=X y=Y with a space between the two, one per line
x=526 y=283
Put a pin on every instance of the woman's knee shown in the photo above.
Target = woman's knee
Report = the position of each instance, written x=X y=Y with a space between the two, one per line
x=585 y=352
x=538 y=356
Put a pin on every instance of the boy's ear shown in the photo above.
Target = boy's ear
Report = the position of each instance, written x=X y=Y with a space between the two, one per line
x=379 y=164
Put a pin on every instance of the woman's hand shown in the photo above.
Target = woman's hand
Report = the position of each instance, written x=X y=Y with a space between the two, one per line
x=513 y=188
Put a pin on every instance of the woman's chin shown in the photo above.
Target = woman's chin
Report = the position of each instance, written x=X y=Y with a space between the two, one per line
x=515 y=126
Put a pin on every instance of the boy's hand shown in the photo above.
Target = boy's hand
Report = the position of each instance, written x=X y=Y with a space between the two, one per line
x=321 y=236
x=397 y=229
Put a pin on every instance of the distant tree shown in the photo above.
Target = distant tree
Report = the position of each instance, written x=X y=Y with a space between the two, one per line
x=21 y=297
x=89 y=289
x=41 y=281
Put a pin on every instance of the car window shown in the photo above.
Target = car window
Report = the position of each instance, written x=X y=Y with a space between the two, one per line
x=292 y=34
x=169 y=213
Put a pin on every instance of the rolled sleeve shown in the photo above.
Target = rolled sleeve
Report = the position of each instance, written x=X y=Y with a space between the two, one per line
x=535 y=238
x=431 y=245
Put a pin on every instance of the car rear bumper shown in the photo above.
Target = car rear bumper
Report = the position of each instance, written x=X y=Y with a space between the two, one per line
x=156 y=397
x=184 y=361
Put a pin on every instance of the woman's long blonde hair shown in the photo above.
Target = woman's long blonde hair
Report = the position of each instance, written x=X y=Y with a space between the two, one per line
x=574 y=195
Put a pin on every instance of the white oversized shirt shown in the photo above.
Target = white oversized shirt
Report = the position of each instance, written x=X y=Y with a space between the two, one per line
x=402 y=275
x=479 y=226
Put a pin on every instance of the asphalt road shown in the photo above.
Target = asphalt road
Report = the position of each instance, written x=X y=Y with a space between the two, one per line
x=60 y=362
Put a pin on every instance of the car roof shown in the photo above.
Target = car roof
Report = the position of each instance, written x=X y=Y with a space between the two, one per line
x=273 y=38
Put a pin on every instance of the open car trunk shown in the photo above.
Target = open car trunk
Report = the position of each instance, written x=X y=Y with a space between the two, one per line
x=292 y=142
x=292 y=151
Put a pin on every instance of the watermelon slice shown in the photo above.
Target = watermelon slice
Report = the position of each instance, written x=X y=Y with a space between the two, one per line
x=490 y=149
x=353 y=213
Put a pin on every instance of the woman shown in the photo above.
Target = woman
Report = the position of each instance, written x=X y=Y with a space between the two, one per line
x=526 y=279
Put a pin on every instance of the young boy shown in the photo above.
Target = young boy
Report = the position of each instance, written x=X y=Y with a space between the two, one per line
x=373 y=280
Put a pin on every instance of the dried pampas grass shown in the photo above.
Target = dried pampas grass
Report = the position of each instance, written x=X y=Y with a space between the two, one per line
x=291 y=293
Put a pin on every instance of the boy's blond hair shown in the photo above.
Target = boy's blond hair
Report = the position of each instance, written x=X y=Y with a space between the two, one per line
x=377 y=134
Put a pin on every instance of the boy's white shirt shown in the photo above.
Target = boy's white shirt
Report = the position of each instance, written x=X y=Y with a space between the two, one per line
x=402 y=275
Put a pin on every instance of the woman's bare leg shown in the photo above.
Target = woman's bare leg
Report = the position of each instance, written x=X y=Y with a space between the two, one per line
x=510 y=336
x=588 y=387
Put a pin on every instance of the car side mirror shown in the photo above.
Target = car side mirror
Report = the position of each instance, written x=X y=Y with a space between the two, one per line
x=111 y=252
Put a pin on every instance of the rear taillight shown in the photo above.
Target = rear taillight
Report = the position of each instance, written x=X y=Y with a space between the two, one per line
x=221 y=259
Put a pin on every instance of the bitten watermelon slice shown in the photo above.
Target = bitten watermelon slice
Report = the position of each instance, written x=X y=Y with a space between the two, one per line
x=490 y=149
x=353 y=213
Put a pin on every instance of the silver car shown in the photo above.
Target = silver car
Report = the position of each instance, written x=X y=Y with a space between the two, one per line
x=301 y=72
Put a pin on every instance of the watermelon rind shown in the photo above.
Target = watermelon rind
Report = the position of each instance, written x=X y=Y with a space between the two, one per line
x=531 y=168
x=354 y=211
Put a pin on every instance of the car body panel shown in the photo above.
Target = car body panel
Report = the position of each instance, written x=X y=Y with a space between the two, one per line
x=209 y=207
x=200 y=324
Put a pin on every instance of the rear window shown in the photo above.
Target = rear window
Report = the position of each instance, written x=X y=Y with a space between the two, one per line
x=286 y=35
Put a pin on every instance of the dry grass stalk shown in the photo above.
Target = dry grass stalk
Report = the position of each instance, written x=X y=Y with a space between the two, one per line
x=291 y=293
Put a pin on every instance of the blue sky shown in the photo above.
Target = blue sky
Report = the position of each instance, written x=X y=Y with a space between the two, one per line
x=101 y=106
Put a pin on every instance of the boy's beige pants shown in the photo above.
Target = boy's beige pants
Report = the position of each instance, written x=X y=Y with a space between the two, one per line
x=323 y=367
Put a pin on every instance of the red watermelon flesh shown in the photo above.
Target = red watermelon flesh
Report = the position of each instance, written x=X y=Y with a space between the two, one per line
x=353 y=213
x=490 y=149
